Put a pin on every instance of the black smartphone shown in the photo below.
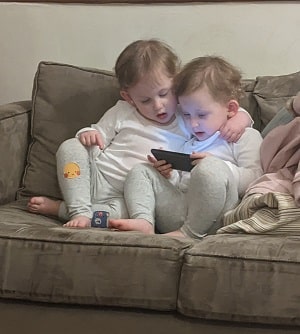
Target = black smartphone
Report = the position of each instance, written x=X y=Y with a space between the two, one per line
x=180 y=161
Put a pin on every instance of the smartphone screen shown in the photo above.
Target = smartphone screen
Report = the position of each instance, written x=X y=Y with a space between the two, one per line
x=179 y=161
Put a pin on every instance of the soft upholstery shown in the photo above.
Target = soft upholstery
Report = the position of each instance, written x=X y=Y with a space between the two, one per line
x=236 y=277
x=242 y=278
x=65 y=99
x=14 y=127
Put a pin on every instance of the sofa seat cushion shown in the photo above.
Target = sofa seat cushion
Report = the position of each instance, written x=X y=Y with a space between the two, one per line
x=250 y=278
x=43 y=261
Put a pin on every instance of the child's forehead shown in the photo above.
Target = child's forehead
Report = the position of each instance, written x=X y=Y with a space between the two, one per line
x=156 y=77
x=153 y=81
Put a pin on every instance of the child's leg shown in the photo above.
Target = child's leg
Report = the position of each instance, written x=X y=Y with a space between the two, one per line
x=73 y=172
x=212 y=192
x=151 y=200
x=84 y=188
x=107 y=198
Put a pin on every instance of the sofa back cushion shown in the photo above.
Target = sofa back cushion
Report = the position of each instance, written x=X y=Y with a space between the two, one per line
x=272 y=93
x=65 y=98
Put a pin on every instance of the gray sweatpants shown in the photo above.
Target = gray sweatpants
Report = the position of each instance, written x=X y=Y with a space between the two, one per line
x=83 y=186
x=212 y=191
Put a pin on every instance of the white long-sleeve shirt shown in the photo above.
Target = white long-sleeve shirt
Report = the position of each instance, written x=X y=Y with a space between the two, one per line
x=243 y=157
x=128 y=139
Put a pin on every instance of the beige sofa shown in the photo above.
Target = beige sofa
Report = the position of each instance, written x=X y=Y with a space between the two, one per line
x=235 y=277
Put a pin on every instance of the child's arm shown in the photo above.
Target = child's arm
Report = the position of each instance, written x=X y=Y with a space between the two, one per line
x=235 y=126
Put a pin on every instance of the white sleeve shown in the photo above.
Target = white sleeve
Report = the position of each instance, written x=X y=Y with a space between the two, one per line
x=107 y=126
x=79 y=132
x=247 y=156
x=245 y=111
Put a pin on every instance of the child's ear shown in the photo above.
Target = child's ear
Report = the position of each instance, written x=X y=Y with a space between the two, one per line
x=126 y=97
x=233 y=108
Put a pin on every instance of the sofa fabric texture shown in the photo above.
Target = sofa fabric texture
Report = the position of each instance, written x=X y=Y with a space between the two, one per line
x=65 y=99
x=14 y=130
x=48 y=262
x=236 y=277
x=243 y=277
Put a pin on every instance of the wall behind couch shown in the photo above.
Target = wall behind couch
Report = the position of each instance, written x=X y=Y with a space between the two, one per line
x=261 y=38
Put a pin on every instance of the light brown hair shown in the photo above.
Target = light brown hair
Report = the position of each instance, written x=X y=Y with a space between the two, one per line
x=145 y=57
x=222 y=79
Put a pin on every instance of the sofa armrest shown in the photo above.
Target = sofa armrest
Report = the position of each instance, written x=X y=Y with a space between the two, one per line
x=14 y=130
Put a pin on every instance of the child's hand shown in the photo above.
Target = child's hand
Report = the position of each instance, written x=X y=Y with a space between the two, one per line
x=235 y=126
x=231 y=131
x=92 y=137
x=198 y=156
x=161 y=166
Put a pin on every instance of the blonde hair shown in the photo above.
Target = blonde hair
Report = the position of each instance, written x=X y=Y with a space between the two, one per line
x=222 y=79
x=145 y=57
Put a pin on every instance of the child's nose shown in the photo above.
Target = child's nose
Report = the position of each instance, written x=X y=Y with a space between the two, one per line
x=194 y=122
x=158 y=104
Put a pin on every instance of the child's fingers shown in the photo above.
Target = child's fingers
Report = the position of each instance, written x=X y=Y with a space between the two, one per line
x=234 y=137
x=226 y=134
x=159 y=163
x=166 y=174
x=98 y=140
x=165 y=167
x=199 y=155
x=156 y=163
x=90 y=138
x=151 y=159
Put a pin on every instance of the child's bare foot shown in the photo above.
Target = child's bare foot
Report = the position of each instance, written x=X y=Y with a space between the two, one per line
x=141 y=225
x=79 y=221
x=43 y=205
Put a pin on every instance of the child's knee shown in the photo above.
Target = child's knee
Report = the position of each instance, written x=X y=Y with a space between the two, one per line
x=209 y=167
x=72 y=145
x=139 y=170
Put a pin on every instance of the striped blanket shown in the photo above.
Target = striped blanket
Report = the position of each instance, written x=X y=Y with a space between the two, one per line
x=272 y=202
x=271 y=213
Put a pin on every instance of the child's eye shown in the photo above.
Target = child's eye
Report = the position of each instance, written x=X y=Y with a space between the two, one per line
x=186 y=115
x=164 y=94
x=145 y=101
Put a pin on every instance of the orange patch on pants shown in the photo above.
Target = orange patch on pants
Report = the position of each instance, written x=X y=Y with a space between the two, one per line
x=71 y=170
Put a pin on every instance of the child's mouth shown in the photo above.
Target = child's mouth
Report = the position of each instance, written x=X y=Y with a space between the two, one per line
x=199 y=134
x=162 y=116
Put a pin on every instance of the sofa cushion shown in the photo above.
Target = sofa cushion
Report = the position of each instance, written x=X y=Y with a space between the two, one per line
x=248 y=101
x=249 y=278
x=14 y=119
x=272 y=93
x=43 y=261
x=65 y=99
